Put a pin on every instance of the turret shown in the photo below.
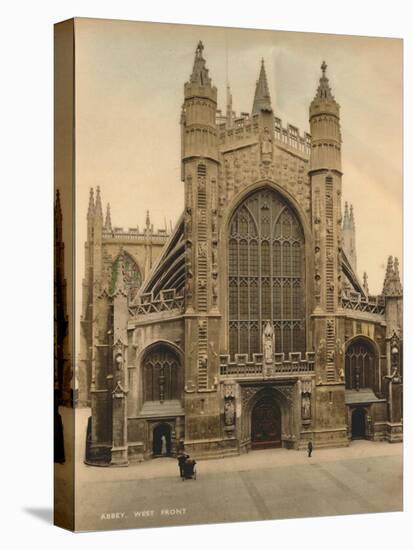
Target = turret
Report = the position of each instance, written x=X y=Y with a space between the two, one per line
x=393 y=295
x=325 y=174
x=198 y=121
x=325 y=127
x=325 y=177
x=200 y=160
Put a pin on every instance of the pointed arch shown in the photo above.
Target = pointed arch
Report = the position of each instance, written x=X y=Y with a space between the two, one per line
x=266 y=273
x=132 y=273
x=162 y=377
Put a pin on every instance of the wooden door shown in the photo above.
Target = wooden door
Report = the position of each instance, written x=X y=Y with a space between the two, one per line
x=266 y=425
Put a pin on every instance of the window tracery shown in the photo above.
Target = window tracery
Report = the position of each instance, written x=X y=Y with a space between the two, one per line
x=360 y=360
x=266 y=274
x=162 y=377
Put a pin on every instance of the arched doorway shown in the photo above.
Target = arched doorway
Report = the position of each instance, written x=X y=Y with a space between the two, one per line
x=358 y=424
x=265 y=424
x=162 y=440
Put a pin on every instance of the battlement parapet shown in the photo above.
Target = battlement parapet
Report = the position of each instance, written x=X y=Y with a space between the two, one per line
x=294 y=364
x=245 y=127
x=133 y=234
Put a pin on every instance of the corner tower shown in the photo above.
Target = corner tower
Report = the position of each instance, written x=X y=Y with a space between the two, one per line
x=200 y=175
x=325 y=176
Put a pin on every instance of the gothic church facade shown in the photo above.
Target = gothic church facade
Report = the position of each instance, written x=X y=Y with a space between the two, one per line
x=247 y=327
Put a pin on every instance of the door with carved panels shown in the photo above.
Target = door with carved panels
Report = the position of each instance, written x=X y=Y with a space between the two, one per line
x=265 y=424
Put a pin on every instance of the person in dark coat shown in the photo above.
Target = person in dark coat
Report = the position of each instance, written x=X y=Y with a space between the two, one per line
x=182 y=457
x=309 y=448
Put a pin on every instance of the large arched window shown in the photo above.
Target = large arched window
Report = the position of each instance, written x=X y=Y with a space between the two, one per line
x=131 y=272
x=162 y=376
x=266 y=274
x=360 y=362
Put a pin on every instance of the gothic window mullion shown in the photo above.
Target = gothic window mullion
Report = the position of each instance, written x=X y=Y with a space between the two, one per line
x=291 y=292
x=238 y=289
x=268 y=284
x=249 y=288
x=259 y=241
x=282 y=292
x=271 y=262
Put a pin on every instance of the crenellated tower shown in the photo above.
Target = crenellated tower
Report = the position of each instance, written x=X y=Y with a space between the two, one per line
x=200 y=161
x=325 y=176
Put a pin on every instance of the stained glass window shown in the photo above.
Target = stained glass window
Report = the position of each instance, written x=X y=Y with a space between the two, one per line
x=131 y=274
x=266 y=274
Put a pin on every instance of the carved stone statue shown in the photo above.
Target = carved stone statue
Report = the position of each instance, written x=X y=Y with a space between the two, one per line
x=268 y=343
x=305 y=407
x=266 y=143
x=229 y=412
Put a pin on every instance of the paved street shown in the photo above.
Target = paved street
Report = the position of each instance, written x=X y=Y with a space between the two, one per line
x=268 y=484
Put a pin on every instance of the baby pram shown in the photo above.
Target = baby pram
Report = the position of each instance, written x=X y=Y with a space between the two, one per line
x=189 y=469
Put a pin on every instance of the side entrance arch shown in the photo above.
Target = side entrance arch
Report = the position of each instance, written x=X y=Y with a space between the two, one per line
x=266 y=424
x=162 y=440
x=358 y=423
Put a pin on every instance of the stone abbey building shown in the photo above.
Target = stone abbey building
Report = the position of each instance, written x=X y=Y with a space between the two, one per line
x=247 y=327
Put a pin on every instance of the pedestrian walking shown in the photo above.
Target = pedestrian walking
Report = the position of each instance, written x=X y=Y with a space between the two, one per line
x=309 y=448
x=181 y=461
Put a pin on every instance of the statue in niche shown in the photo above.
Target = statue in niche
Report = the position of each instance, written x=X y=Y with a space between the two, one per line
x=229 y=412
x=268 y=343
x=306 y=407
x=266 y=143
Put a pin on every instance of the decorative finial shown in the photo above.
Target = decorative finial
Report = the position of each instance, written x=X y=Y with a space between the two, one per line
x=324 y=90
x=91 y=208
x=108 y=221
x=199 y=48
x=200 y=72
x=98 y=204
x=365 y=283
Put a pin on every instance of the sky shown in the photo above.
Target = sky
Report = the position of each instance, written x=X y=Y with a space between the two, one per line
x=129 y=93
